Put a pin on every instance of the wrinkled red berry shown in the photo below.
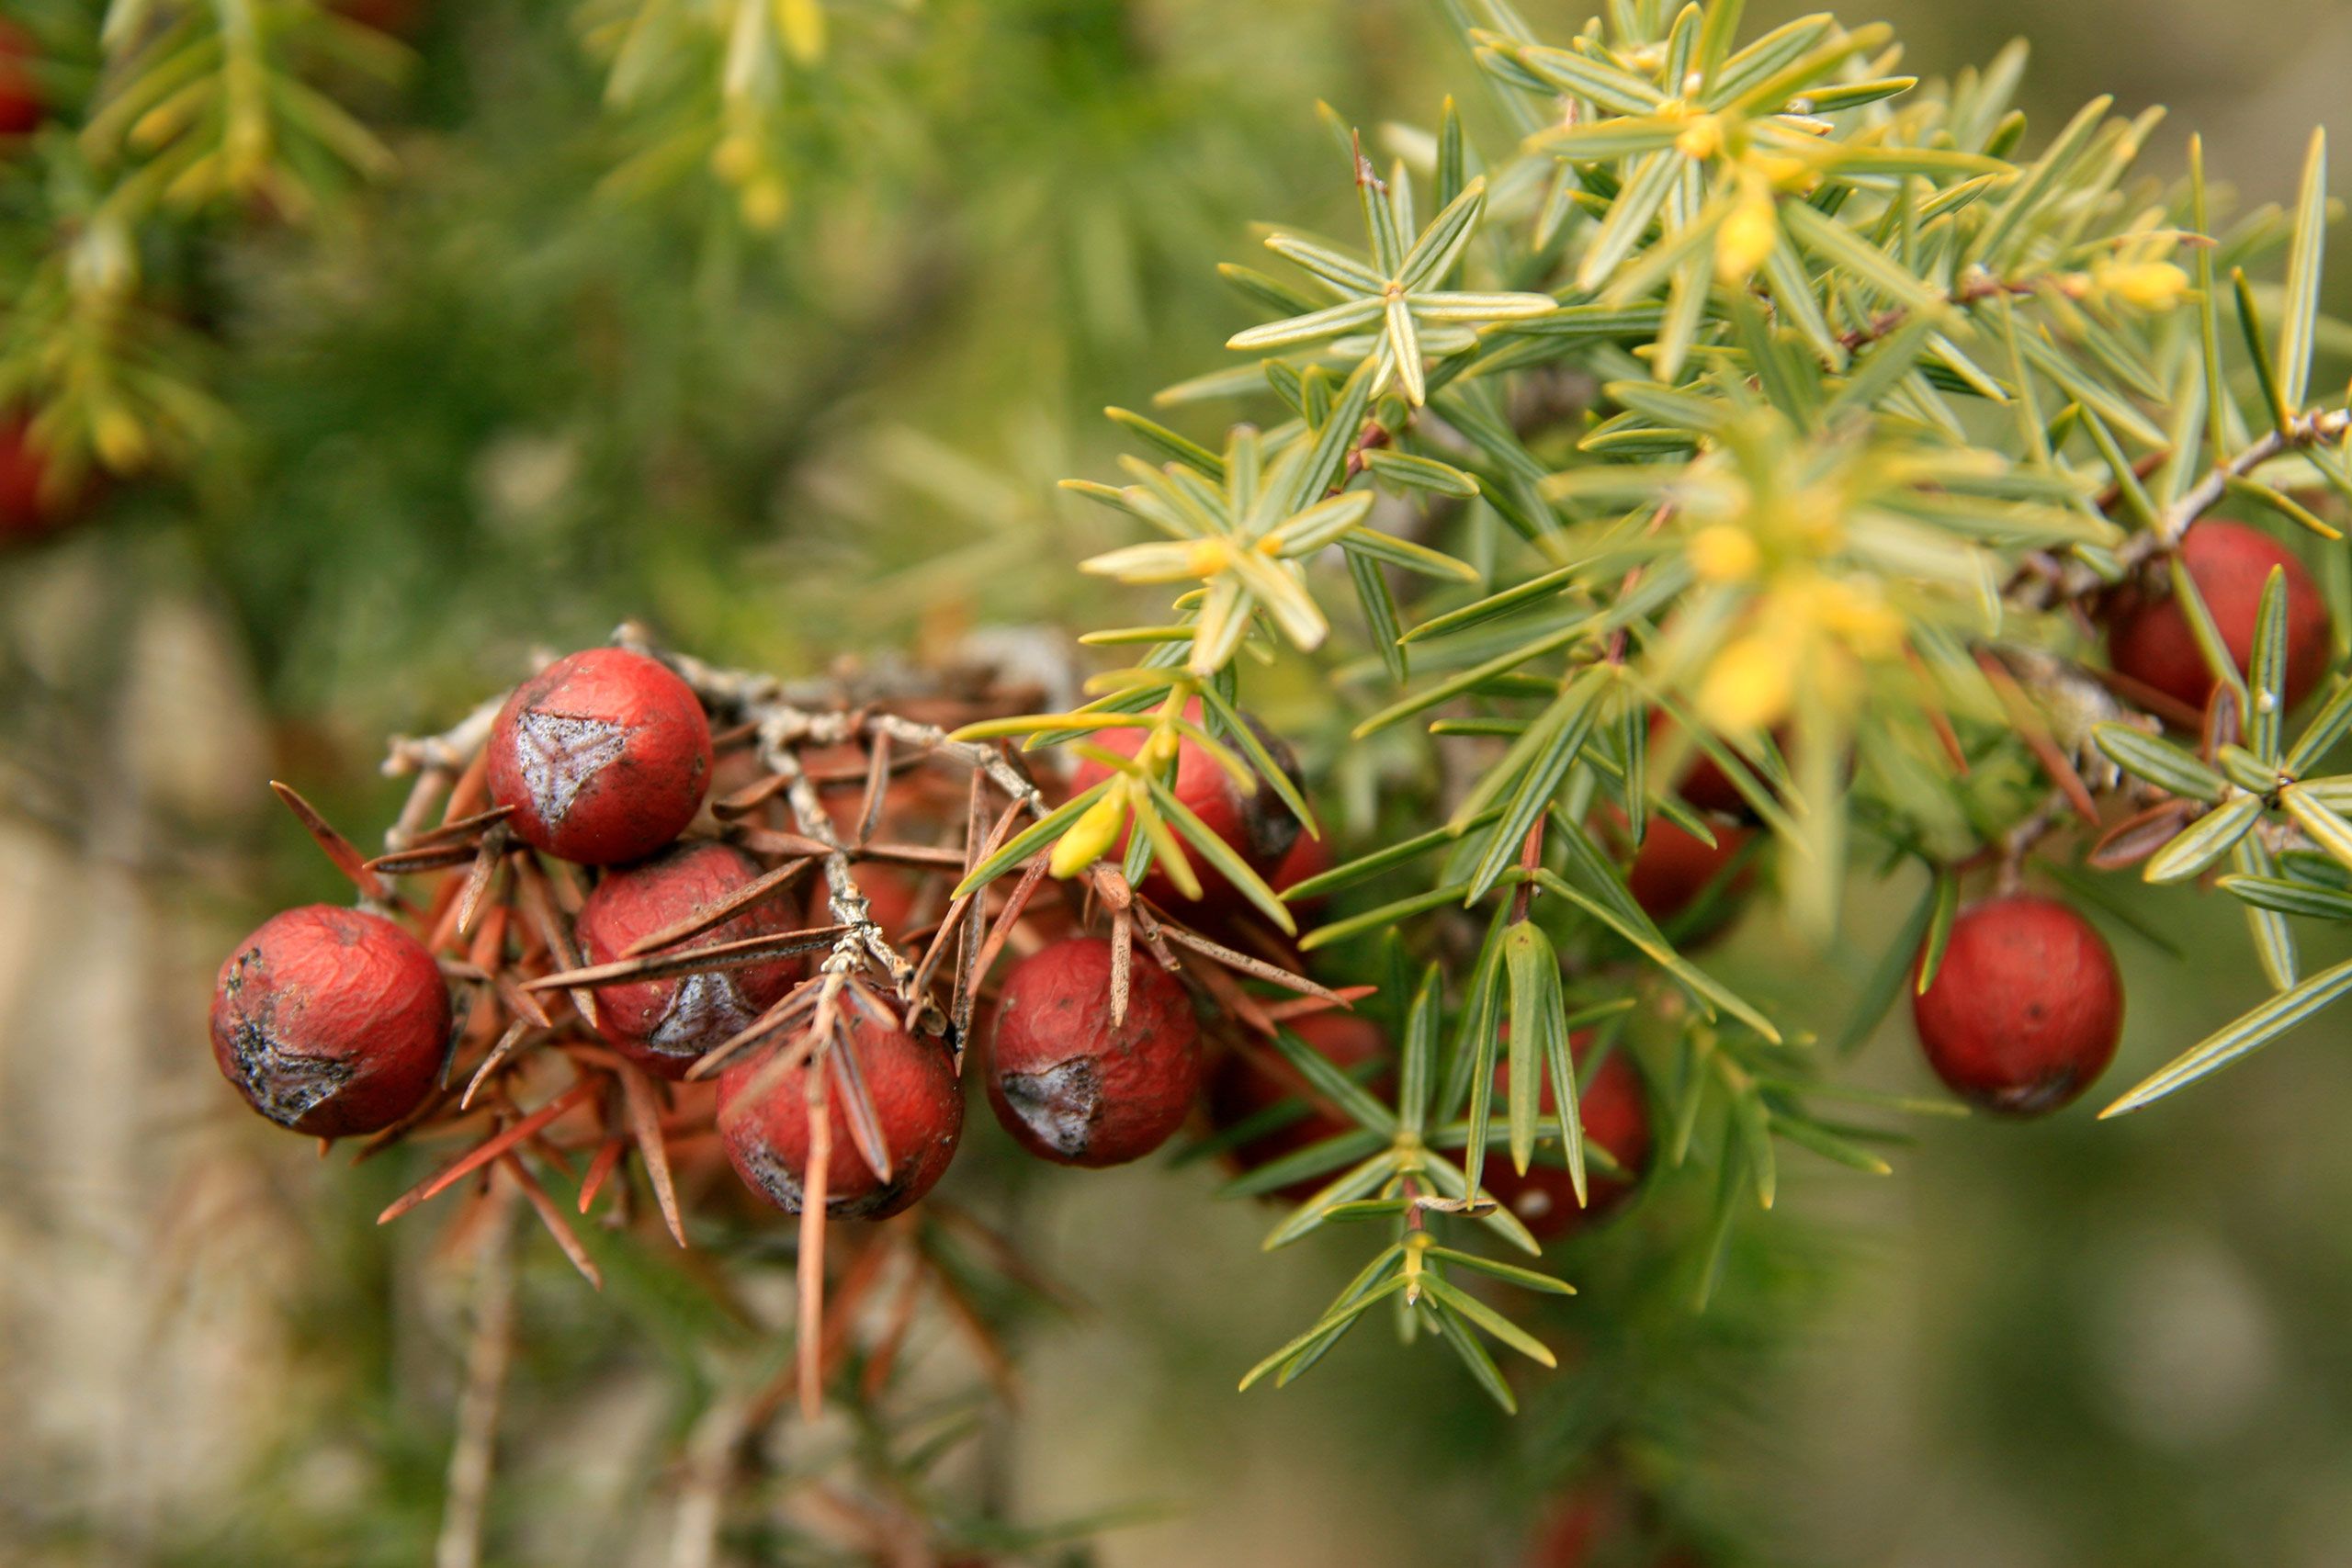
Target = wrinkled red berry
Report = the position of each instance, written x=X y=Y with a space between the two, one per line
x=604 y=756
x=21 y=108
x=1309 y=857
x=1069 y=1086
x=331 y=1022
x=1577 y=1525
x=396 y=18
x=1672 y=867
x=1602 y=1522
x=2148 y=636
x=2026 y=1008
x=1245 y=1084
x=666 y=1024
x=1614 y=1114
x=1704 y=786
x=29 y=505
x=1258 y=826
x=763 y=1122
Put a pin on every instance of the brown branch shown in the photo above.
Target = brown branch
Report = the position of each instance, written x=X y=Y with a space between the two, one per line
x=451 y=751
x=488 y=1352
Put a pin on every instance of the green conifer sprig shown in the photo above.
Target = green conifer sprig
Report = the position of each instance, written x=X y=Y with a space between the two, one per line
x=1794 y=403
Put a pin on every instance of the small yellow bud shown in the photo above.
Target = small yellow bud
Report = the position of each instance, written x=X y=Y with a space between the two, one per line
x=1725 y=553
x=1748 y=686
x=120 y=439
x=802 y=23
x=160 y=124
x=2146 y=285
x=1703 y=138
x=736 y=158
x=1863 y=620
x=1815 y=515
x=1207 y=558
x=1747 y=237
x=246 y=152
x=765 y=202
x=1090 y=837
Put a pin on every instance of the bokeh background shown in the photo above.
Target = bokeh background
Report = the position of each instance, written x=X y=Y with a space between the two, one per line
x=486 y=404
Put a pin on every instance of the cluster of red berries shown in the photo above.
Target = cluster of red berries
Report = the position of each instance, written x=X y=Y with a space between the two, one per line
x=2026 y=1008
x=2150 y=646
x=603 y=756
x=338 y=1022
x=1128 y=1090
